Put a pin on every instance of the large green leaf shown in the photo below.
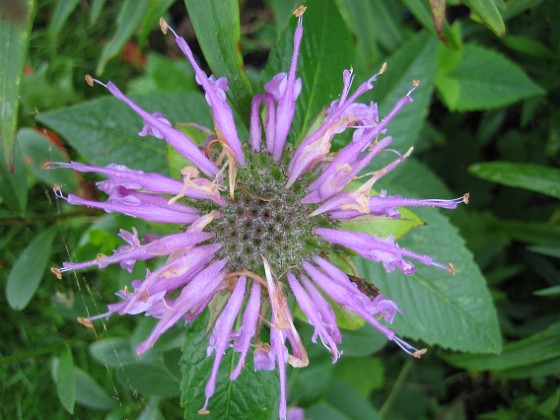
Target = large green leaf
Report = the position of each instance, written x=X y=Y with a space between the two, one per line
x=532 y=177
x=326 y=50
x=414 y=60
x=252 y=395
x=216 y=23
x=483 y=79
x=104 y=131
x=89 y=393
x=130 y=16
x=14 y=38
x=27 y=272
x=539 y=348
x=454 y=312
x=489 y=13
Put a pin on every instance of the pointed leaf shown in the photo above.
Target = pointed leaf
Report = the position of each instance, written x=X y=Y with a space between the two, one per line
x=14 y=39
x=532 y=177
x=65 y=380
x=326 y=50
x=484 y=79
x=414 y=60
x=489 y=13
x=130 y=16
x=541 y=347
x=27 y=272
x=216 y=23
x=60 y=15
x=252 y=395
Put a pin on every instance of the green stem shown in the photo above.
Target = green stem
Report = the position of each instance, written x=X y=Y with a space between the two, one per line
x=399 y=383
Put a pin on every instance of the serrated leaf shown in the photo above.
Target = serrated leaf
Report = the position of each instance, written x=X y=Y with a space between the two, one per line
x=216 y=23
x=539 y=348
x=489 y=13
x=104 y=130
x=529 y=176
x=326 y=50
x=252 y=395
x=454 y=312
x=414 y=60
x=27 y=272
x=89 y=393
x=65 y=380
x=14 y=39
x=130 y=16
x=484 y=79
x=36 y=149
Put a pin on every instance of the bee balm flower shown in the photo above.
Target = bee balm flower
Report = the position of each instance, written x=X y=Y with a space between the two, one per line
x=257 y=220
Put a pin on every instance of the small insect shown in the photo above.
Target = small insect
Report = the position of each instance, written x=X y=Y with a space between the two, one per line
x=365 y=286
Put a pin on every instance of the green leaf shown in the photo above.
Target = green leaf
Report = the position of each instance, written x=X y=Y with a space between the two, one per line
x=13 y=185
x=376 y=26
x=319 y=67
x=130 y=16
x=344 y=403
x=60 y=15
x=432 y=17
x=27 y=272
x=484 y=79
x=539 y=348
x=252 y=395
x=65 y=380
x=164 y=75
x=414 y=60
x=14 y=39
x=489 y=13
x=544 y=234
x=384 y=226
x=96 y=8
x=149 y=379
x=89 y=393
x=364 y=374
x=216 y=23
x=529 y=176
x=114 y=352
x=104 y=130
x=455 y=312
x=36 y=149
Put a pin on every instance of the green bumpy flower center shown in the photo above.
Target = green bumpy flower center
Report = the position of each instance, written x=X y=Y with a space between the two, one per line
x=266 y=219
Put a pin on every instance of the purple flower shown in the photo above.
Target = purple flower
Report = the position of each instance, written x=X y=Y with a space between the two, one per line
x=259 y=222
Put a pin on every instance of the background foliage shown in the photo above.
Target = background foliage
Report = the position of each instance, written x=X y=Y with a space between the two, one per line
x=486 y=119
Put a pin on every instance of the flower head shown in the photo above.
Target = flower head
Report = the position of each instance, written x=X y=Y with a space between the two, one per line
x=257 y=221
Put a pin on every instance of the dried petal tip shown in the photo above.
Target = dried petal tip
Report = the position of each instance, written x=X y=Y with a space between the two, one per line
x=419 y=353
x=56 y=272
x=89 y=80
x=85 y=322
x=383 y=68
x=163 y=26
x=451 y=269
x=299 y=11
x=466 y=198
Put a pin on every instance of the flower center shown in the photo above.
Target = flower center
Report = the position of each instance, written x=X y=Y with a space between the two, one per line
x=266 y=219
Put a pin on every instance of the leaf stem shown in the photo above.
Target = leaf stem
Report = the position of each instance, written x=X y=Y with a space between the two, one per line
x=399 y=383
